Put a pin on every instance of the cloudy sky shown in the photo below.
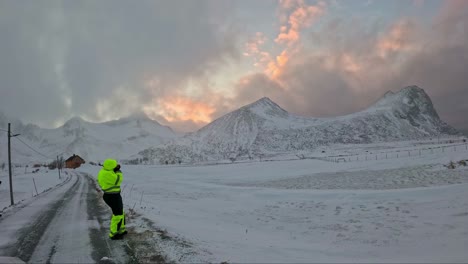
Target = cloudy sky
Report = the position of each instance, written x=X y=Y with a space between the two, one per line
x=185 y=63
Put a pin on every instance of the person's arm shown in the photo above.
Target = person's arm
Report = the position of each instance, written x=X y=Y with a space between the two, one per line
x=119 y=174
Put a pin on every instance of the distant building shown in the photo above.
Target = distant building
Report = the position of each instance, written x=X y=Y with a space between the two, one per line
x=74 y=162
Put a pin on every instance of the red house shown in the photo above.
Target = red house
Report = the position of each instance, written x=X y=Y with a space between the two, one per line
x=74 y=162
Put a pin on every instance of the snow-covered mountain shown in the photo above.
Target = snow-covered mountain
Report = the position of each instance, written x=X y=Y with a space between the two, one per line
x=92 y=141
x=258 y=129
x=264 y=128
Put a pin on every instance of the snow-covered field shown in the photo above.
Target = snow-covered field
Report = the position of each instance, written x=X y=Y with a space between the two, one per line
x=406 y=209
x=23 y=183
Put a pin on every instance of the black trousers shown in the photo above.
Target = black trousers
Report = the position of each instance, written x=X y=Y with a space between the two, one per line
x=114 y=201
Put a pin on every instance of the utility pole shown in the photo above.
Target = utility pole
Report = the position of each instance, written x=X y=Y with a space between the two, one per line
x=58 y=166
x=9 y=162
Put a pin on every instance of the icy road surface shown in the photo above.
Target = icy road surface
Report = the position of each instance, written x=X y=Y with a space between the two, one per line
x=67 y=224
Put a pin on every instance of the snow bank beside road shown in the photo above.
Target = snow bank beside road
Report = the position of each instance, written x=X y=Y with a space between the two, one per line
x=23 y=184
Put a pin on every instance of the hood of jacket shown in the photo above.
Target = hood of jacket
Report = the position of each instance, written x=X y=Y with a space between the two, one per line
x=109 y=164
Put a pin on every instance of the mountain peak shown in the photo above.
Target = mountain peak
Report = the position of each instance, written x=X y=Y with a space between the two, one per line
x=264 y=100
x=76 y=119
x=140 y=115
x=412 y=88
x=74 y=122
x=137 y=118
x=266 y=107
x=414 y=105
x=134 y=117
x=413 y=91
x=406 y=95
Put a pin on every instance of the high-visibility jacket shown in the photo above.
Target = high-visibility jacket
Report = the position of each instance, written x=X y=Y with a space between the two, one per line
x=108 y=180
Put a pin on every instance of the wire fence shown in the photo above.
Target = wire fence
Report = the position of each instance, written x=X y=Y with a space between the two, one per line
x=136 y=200
x=396 y=154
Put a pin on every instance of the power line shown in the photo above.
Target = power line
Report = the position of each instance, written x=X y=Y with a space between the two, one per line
x=32 y=148
x=54 y=153
x=1 y=129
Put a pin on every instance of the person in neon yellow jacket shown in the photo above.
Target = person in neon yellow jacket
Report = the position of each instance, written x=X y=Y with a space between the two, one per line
x=109 y=178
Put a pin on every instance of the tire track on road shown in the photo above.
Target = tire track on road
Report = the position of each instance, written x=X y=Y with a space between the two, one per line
x=29 y=236
x=66 y=225
x=65 y=238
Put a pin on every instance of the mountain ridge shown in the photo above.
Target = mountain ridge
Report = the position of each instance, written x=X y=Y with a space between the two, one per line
x=93 y=141
x=256 y=129
x=263 y=127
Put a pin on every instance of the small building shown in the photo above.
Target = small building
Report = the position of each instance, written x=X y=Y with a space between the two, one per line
x=74 y=162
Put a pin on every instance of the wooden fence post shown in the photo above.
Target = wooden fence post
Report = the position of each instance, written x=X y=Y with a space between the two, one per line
x=131 y=189
x=141 y=199
x=35 y=185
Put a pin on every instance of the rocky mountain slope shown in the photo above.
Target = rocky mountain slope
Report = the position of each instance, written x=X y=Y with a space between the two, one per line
x=264 y=128
x=92 y=141
x=260 y=129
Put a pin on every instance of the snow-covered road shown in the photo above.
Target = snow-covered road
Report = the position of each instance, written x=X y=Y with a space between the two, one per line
x=67 y=224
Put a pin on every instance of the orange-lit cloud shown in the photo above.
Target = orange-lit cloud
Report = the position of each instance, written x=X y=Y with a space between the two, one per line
x=282 y=59
x=295 y=16
x=275 y=67
x=265 y=61
x=398 y=39
x=289 y=4
x=178 y=108
x=254 y=49
x=301 y=17
x=253 y=45
x=350 y=64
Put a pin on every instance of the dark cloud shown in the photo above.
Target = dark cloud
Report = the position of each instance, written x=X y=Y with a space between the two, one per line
x=98 y=53
x=28 y=83
x=442 y=72
x=358 y=61
x=310 y=85
x=441 y=67
x=105 y=59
